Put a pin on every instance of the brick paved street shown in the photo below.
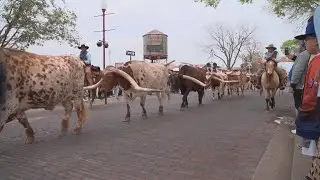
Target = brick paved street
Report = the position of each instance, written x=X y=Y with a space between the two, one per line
x=223 y=140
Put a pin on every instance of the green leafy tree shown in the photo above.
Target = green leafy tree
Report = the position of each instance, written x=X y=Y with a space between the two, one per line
x=292 y=9
x=291 y=44
x=24 y=23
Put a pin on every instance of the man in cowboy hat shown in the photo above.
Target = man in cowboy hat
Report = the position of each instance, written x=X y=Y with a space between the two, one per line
x=85 y=56
x=271 y=54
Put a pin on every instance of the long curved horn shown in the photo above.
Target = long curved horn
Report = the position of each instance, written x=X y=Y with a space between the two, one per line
x=195 y=80
x=221 y=80
x=93 y=86
x=133 y=82
x=169 y=63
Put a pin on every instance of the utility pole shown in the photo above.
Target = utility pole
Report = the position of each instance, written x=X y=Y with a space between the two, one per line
x=104 y=44
x=109 y=53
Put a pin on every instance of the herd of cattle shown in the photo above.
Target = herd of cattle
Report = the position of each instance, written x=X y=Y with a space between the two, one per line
x=40 y=81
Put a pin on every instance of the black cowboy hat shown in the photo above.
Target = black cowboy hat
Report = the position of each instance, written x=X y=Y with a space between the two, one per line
x=271 y=46
x=310 y=31
x=83 y=46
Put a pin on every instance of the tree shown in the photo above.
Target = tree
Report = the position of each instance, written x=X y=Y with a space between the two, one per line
x=291 y=9
x=227 y=43
x=32 y=22
x=292 y=44
x=250 y=56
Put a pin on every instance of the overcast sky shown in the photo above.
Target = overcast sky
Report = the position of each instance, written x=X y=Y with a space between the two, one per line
x=184 y=21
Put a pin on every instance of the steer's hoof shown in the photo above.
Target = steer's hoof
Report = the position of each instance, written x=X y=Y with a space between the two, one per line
x=78 y=130
x=144 y=116
x=29 y=140
x=127 y=120
x=160 y=112
x=62 y=134
x=64 y=131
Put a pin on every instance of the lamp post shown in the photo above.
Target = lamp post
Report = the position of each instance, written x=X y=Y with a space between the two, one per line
x=104 y=8
x=104 y=43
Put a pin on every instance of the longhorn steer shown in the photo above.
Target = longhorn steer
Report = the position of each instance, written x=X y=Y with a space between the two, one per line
x=138 y=79
x=253 y=81
x=240 y=78
x=217 y=83
x=38 y=81
x=190 y=79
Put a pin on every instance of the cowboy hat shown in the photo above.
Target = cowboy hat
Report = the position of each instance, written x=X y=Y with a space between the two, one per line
x=83 y=46
x=310 y=31
x=271 y=46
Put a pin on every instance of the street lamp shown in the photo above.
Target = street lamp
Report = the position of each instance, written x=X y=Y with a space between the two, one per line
x=104 y=43
x=103 y=4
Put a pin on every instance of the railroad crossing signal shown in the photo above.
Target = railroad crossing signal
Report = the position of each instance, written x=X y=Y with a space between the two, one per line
x=130 y=53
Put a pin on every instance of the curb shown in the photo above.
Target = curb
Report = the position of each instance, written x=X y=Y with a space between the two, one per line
x=276 y=162
x=300 y=163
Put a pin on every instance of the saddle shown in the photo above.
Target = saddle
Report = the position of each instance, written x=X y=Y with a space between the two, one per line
x=95 y=68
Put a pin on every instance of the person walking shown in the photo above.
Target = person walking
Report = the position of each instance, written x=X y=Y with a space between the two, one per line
x=299 y=70
x=116 y=91
x=307 y=122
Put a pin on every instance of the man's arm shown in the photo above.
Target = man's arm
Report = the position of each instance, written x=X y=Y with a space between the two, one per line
x=299 y=67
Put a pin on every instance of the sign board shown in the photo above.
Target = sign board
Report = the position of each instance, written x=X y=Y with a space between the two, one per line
x=130 y=53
